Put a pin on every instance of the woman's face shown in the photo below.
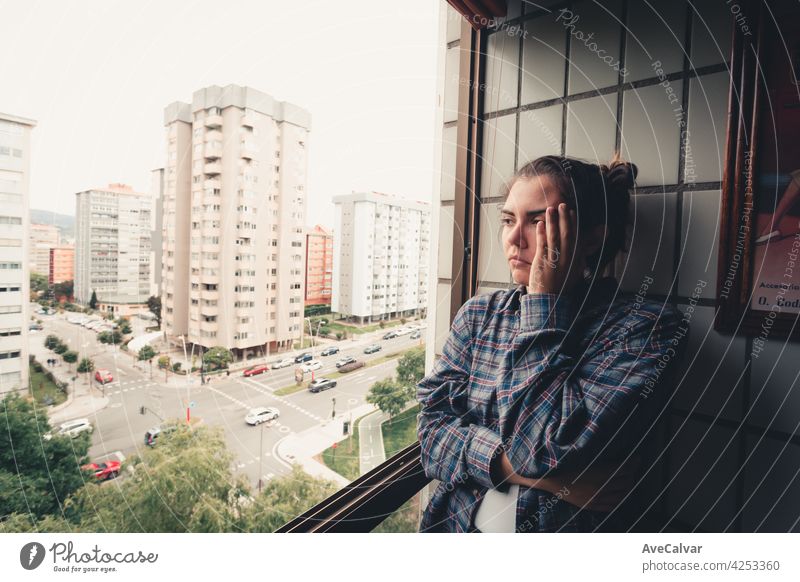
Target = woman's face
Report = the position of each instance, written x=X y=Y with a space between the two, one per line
x=524 y=207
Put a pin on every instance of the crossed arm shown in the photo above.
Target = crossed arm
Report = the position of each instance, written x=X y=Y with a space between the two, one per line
x=561 y=416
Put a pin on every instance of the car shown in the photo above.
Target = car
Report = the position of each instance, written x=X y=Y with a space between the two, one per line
x=103 y=376
x=416 y=335
x=284 y=363
x=372 y=349
x=321 y=384
x=345 y=360
x=151 y=436
x=330 y=351
x=104 y=471
x=389 y=335
x=261 y=414
x=255 y=370
x=72 y=429
x=312 y=365
x=35 y=327
x=403 y=331
x=305 y=357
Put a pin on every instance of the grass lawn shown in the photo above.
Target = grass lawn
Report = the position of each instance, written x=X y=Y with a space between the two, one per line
x=401 y=432
x=44 y=390
x=346 y=460
x=292 y=388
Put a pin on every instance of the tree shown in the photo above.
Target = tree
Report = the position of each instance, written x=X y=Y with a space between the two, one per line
x=64 y=290
x=147 y=353
x=154 y=305
x=39 y=284
x=93 y=300
x=86 y=366
x=51 y=341
x=283 y=498
x=60 y=347
x=70 y=358
x=124 y=325
x=390 y=396
x=185 y=484
x=164 y=363
x=411 y=367
x=36 y=474
x=218 y=357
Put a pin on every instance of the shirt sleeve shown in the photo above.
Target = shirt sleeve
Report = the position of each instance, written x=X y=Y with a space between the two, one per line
x=455 y=449
x=560 y=409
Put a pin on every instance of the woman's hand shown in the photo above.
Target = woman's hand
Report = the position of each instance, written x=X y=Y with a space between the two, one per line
x=552 y=269
x=596 y=489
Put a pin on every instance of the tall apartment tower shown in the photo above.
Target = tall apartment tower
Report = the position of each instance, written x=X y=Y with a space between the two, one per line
x=380 y=260
x=15 y=164
x=234 y=211
x=319 y=266
x=157 y=192
x=112 y=249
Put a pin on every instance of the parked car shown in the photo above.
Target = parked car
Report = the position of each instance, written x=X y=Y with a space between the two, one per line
x=72 y=429
x=312 y=365
x=303 y=358
x=345 y=360
x=403 y=331
x=255 y=370
x=330 y=351
x=151 y=436
x=416 y=335
x=261 y=414
x=103 y=376
x=35 y=327
x=321 y=384
x=389 y=335
x=104 y=471
x=372 y=349
x=284 y=363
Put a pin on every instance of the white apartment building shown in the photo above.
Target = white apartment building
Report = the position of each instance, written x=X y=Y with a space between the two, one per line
x=112 y=251
x=15 y=163
x=43 y=238
x=234 y=214
x=380 y=258
x=156 y=253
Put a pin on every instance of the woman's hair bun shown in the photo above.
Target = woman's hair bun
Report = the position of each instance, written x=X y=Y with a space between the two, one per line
x=618 y=173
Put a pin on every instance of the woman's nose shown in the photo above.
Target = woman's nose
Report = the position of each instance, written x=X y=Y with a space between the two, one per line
x=518 y=236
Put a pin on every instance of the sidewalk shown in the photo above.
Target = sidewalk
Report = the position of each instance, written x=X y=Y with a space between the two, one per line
x=82 y=400
x=300 y=448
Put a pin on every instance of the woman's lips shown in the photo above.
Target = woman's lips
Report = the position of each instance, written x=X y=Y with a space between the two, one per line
x=519 y=263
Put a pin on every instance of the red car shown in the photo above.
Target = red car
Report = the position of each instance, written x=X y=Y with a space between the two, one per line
x=260 y=369
x=103 y=471
x=103 y=376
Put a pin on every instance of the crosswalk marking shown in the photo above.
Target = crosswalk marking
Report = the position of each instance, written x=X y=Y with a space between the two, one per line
x=282 y=400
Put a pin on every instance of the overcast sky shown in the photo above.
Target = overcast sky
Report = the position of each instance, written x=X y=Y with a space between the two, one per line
x=96 y=76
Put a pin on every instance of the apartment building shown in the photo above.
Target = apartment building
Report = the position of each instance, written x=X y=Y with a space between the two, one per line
x=319 y=266
x=156 y=254
x=112 y=251
x=234 y=213
x=62 y=264
x=15 y=163
x=43 y=238
x=380 y=263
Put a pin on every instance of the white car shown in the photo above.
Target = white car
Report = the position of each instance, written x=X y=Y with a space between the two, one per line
x=262 y=414
x=312 y=365
x=72 y=429
x=403 y=331
x=284 y=363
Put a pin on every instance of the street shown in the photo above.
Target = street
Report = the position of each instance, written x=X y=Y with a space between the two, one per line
x=224 y=401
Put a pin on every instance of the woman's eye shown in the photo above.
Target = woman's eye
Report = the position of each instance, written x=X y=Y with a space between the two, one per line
x=505 y=221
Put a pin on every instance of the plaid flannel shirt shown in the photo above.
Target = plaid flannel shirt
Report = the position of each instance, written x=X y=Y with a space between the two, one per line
x=555 y=381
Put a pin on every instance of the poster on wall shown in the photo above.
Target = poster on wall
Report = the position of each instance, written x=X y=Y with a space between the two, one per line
x=759 y=262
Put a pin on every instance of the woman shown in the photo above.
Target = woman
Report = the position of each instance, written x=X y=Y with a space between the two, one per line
x=544 y=392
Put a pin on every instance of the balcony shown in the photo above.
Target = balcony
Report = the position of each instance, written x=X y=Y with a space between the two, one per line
x=212 y=183
x=213 y=121
x=213 y=169
x=248 y=120
x=212 y=151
